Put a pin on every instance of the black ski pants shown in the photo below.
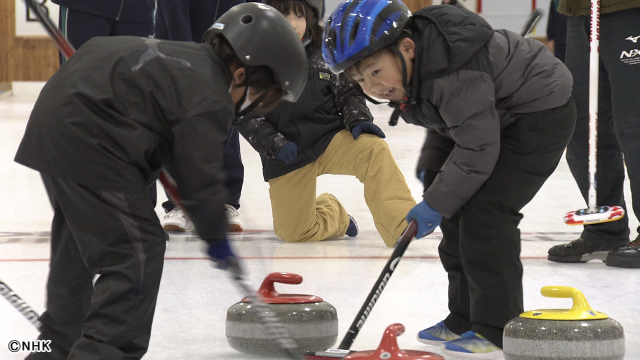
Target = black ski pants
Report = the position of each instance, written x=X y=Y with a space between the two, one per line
x=480 y=248
x=618 y=116
x=107 y=254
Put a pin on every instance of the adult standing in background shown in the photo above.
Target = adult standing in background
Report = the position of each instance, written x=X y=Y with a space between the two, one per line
x=80 y=20
x=557 y=31
x=187 y=20
x=618 y=126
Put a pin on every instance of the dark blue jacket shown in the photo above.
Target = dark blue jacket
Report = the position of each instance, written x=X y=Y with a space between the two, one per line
x=328 y=105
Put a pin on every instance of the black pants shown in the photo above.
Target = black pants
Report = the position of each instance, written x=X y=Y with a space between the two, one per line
x=118 y=238
x=618 y=116
x=480 y=249
x=79 y=26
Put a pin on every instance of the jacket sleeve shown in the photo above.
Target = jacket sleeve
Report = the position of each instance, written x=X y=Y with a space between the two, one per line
x=350 y=102
x=434 y=154
x=466 y=102
x=196 y=151
x=262 y=136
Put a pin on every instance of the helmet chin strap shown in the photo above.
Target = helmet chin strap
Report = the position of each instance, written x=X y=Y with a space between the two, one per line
x=244 y=105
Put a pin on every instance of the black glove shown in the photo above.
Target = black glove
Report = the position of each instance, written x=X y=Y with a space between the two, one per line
x=421 y=175
x=366 y=127
x=288 y=152
x=223 y=257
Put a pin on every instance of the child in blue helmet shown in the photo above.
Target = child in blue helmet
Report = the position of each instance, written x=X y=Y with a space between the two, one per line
x=329 y=130
x=499 y=114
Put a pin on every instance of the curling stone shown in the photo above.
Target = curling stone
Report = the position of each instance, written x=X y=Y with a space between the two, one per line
x=389 y=350
x=577 y=333
x=312 y=322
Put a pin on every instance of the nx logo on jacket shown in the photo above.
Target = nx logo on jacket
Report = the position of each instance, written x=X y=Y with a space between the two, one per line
x=630 y=54
x=630 y=57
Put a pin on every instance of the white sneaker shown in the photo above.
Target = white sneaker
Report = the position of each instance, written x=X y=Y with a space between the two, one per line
x=176 y=220
x=233 y=218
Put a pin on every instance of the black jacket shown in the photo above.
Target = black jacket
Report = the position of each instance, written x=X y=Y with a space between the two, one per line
x=122 y=107
x=328 y=105
x=469 y=83
x=125 y=10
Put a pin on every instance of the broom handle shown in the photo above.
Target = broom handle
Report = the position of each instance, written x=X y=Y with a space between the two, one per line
x=366 y=308
x=594 y=72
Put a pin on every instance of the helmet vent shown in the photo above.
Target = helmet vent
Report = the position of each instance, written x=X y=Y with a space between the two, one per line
x=354 y=31
x=247 y=19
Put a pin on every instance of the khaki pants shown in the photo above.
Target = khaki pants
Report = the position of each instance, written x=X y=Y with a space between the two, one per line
x=299 y=217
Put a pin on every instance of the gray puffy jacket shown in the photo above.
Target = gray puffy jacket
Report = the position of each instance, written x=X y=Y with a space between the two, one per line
x=470 y=82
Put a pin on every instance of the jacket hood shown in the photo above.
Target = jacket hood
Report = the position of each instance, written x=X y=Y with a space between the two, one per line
x=446 y=38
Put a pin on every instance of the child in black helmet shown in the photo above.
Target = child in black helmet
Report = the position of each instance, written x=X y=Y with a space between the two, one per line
x=329 y=130
x=104 y=125
x=499 y=114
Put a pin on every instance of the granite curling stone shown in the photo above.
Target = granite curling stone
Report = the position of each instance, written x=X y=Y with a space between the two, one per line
x=312 y=322
x=560 y=334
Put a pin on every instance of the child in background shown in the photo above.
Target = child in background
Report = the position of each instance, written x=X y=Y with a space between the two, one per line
x=103 y=126
x=187 y=20
x=499 y=115
x=329 y=130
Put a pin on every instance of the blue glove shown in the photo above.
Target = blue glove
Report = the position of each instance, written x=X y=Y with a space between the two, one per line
x=427 y=218
x=421 y=175
x=222 y=256
x=366 y=127
x=288 y=152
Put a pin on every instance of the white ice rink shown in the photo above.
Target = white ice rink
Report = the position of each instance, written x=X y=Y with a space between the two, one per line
x=190 y=315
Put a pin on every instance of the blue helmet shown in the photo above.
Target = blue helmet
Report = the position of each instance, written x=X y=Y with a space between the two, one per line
x=358 y=28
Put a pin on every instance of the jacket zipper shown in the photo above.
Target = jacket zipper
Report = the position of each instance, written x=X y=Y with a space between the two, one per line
x=120 y=11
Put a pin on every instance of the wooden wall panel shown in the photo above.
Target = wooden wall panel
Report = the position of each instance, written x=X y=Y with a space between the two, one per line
x=28 y=58
x=35 y=58
x=7 y=33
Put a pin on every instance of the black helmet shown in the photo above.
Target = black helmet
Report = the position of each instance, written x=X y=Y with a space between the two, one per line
x=260 y=35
